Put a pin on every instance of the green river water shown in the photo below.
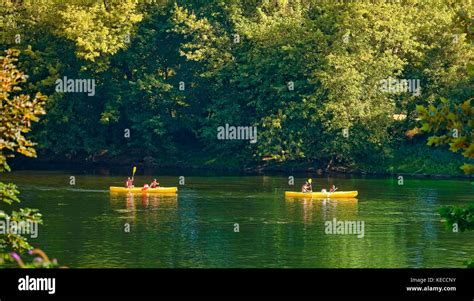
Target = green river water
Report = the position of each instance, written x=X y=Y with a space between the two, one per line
x=84 y=225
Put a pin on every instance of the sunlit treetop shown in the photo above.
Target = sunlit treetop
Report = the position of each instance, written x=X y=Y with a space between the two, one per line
x=17 y=111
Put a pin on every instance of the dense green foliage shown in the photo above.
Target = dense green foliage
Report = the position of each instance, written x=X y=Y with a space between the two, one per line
x=452 y=121
x=306 y=73
x=462 y=218
x=17 y=113
x=454 y=124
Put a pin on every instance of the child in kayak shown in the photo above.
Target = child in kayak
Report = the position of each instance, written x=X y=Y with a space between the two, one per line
x=154 y=184
x=129 y=183
x=307 y=186
x=145 y=187
x=333 y=188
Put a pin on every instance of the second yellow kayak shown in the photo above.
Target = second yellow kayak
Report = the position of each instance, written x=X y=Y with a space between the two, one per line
x=334 y=195
x=144 y=190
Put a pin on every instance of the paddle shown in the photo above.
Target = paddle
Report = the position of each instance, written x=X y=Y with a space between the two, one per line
x=133 y=173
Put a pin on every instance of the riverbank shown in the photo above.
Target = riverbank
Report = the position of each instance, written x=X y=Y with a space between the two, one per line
x=413 y=159
x=438 y=164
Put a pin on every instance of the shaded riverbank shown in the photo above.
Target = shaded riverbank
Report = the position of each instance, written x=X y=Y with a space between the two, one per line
x=426 y=167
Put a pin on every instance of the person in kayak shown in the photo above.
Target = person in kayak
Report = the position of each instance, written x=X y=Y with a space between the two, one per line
x=154 y=184
x=333 y=188
x=145 y=187
x=307 y=186
x=129 y=183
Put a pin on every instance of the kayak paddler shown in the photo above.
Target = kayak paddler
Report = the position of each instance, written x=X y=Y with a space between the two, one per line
x=154 y=184
x=333 y=188
x=129 y=183
x=145 y=187
x=307 y=186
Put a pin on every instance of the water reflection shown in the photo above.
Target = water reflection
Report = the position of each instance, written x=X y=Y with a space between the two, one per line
x=143 y=201
x=402 y=224
x=344 y=208
x=340 y=208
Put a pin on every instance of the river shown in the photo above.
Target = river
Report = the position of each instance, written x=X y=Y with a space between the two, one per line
x=244 y=221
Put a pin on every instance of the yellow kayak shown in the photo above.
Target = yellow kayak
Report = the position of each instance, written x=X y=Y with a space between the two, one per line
x=322 y=195
x=336 y=200
x=143 y=190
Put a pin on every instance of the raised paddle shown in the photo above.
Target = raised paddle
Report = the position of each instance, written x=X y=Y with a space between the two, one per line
x=133 y=173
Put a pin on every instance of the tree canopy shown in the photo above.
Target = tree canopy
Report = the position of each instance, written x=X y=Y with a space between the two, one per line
x=306 y=73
